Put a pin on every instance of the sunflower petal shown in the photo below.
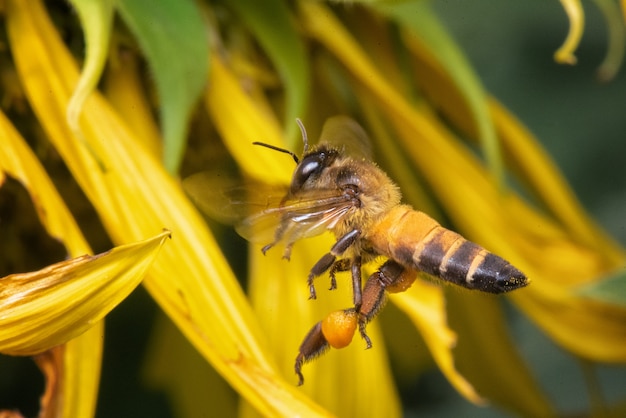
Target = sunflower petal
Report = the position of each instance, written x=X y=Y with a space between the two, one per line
x=239 y=122
x=124 y=89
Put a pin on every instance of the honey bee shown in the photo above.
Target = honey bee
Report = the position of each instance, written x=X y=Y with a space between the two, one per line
x=336 y=187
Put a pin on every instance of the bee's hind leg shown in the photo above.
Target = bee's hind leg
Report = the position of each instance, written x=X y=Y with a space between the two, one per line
x=391 y=277
x=329 y=259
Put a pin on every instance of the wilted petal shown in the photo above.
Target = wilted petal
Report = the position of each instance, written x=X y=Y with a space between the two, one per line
x=43 y=309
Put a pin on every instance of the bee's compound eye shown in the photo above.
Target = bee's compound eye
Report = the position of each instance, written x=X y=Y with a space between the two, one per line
x=339 y=327
x=309 y=165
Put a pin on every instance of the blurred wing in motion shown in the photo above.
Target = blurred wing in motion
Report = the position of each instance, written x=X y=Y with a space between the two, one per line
x=305 y=216
x=229 y=199
x=265 y=214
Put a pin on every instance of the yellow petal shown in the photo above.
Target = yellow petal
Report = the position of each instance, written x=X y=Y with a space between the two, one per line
x=51 y=306
x=576 y=15
x=425 y=306
x=240 y=123
x=124 y=89
x=96 y=18
x=81 y=372
x=134 y=196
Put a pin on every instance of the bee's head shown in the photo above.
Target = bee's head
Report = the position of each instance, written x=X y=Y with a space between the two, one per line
x=311 y=167
x=312 y=164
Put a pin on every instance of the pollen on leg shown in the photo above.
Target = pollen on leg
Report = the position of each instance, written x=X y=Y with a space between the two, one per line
x=339 y=327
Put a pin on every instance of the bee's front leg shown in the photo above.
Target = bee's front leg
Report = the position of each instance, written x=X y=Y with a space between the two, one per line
x=330 y=257
x=338 y=266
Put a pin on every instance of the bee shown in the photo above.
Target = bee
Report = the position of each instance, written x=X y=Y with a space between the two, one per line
x=336 y=187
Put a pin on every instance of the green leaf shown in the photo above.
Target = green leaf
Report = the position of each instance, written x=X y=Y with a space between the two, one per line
x=610 y=289
x=272 y=25
x=172 y=35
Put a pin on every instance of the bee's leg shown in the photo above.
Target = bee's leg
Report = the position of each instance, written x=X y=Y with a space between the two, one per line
x=267 y=247
x=336 y=330
x=356 y=283
x=278 y=235
x=313 y=345
x=329 y=258
x=391 y=277
x=338 y=266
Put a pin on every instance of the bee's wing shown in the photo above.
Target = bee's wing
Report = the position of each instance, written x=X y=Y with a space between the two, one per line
x=307 y=215
x=230 y=200
x=258 y=211
x=346 y=134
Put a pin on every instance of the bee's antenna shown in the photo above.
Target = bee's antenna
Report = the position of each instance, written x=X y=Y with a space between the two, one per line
x=286 y=151
x=304 y=136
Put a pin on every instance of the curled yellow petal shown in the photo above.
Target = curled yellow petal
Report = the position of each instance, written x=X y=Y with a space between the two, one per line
x=43 y=309
x=96 y=18
x=576 y=16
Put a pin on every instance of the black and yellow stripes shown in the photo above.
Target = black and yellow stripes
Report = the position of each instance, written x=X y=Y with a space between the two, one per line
x=417 y=241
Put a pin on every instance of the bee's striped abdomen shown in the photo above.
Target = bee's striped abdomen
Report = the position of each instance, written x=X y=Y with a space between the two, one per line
x=417 y=241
